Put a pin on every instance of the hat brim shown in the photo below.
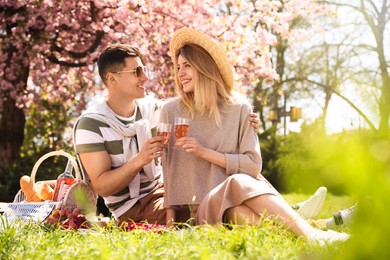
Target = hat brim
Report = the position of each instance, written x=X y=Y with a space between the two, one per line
x=185 y=36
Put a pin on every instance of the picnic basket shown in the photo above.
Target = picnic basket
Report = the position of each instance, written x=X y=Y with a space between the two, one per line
x=79 y=195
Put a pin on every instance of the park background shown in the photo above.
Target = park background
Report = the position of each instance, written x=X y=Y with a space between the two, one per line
x=326 y=60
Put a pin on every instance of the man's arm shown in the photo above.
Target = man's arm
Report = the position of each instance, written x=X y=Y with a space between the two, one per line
x=107 y=182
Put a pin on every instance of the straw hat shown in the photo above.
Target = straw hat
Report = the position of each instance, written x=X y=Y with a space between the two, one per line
x=184 y=36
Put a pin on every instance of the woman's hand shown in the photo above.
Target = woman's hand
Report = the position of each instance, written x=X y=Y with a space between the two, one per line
x=191 y=145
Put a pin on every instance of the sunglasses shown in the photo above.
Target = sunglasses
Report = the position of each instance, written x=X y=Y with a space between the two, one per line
x=137 y=71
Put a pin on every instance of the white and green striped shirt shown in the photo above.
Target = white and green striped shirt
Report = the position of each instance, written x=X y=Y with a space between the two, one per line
x=92 y=134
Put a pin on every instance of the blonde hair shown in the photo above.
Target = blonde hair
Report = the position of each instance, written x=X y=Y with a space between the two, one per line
x=209 y=86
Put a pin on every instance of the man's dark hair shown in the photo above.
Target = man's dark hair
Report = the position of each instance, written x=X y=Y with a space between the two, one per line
x=112 y=59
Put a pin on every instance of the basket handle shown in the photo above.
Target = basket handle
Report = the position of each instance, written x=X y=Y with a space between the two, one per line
x=55 y=153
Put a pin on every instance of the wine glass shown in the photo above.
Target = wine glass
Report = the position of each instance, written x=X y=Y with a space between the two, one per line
x=181 y=126
x=164 y=129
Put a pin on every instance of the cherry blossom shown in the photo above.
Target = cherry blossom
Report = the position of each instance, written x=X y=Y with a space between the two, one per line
x=48 y=49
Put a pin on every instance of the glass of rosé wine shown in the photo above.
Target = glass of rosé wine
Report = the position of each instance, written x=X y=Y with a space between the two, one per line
x=181 y=126
x=164 y=129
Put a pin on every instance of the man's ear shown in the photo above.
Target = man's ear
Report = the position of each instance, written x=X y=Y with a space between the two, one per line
x=110 y=77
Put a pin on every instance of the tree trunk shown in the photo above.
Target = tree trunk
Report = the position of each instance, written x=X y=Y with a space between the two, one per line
x=384 y=102
x=12 y=121
x=384 y=108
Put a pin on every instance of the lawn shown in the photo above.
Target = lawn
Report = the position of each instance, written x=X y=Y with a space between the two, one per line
x=270 y=241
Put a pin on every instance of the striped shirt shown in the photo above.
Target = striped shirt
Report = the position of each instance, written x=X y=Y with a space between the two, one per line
x=92 y=135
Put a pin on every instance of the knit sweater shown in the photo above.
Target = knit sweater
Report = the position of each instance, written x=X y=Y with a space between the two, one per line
x=187 y=178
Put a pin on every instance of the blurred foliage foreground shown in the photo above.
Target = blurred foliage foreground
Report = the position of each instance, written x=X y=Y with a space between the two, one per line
x=356 y=164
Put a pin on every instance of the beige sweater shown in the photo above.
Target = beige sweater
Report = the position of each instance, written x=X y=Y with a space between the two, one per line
x=187 y=179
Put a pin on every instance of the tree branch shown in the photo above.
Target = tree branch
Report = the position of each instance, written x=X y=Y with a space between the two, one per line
x=372 y=126
x=55 y=60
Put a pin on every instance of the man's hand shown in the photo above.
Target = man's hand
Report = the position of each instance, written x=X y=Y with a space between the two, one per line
x=151 y=150
x=107 y=181
x=255 y=122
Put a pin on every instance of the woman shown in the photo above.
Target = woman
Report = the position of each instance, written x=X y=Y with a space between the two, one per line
x=215 y=170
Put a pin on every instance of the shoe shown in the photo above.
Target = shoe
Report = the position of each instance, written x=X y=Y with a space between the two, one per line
x=309 y=208
x=344 y=217
x=328 y=237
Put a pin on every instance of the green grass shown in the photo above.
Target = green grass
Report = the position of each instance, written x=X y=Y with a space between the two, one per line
x=34 y=241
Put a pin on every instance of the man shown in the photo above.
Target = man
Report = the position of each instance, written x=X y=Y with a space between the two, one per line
x=114 y=142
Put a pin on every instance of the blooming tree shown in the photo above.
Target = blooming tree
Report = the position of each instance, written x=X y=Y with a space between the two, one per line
x=48 y=48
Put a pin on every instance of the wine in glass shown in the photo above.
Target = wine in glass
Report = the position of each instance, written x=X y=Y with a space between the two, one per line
x=164 y=129
x=181 y=126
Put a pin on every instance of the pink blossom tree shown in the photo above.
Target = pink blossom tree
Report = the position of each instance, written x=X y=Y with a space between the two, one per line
x=48 y=49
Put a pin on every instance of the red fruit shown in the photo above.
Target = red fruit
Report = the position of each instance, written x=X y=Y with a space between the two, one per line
x=72 y=224
x=62 y=212
x=76 y=211
x=65 y=223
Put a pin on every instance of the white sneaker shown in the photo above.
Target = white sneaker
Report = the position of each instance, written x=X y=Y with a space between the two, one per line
x=344 y=217
x=328 y=237
x=309 y=208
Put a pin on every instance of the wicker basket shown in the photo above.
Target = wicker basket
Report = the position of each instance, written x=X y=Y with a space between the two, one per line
x=79 y=195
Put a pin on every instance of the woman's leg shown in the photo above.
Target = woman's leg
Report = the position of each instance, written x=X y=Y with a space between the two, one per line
x=276 y=207
x=270 y=205
x=241 y=215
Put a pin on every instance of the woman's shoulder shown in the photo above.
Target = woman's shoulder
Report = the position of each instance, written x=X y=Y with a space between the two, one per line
x=242 y=105
x=171 y=103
